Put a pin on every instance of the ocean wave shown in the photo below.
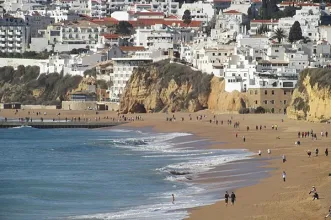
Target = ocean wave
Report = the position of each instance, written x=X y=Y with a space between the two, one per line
x=160 y=210
x=203 y=164
x=22 y=126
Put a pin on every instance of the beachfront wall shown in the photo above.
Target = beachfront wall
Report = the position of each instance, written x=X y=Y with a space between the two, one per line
x=89 y=105
x=79 y=105
x=40 y=107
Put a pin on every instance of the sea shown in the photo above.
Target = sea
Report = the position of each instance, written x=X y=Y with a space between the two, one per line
x=106 y=173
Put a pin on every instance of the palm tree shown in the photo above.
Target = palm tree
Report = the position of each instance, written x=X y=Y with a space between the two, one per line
x=279 y=34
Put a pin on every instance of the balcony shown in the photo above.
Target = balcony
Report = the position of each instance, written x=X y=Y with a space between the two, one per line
x=18 y=39
x=10 y=45
x=10 y=33
x=2 y=45
x=2 y=33
x=18 y=45
x=9 y=38
x=18 y=33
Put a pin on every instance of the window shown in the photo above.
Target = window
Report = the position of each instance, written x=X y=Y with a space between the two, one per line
x=272 y=102
x=276 y=51
x=265 y=92
x=285 y=102
x=284 y=92
x=272 y=92
x=265 y=101
x=255 y=92
x=255 y=102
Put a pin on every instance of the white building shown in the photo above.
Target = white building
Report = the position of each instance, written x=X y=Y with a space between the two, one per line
x=237 y=73
x=200 y=11
x=122 y=70
x=79 y=34
x=169 y=7
x=14 y=35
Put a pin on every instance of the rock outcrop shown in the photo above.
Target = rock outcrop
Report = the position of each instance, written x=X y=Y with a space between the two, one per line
x=172 y=87
x=221 y=101
x=27 y=86
x=168 y=87
x=311 y=99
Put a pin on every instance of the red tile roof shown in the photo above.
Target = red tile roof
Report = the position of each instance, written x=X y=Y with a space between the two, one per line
x=132 y=48
x=172 y=17
x=111 y=36
x=232 y=12
x=105 y=21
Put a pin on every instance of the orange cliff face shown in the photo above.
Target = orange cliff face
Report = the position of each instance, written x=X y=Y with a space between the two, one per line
x=174 y=87
x=311 y=101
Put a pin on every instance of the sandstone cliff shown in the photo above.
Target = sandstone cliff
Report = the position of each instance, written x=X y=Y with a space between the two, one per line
x=311 y=99
x=174 y=87
x=221 y=101
x=28 y=86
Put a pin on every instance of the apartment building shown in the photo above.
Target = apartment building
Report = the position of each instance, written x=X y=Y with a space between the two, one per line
x=122 y=70
x=169 y=7
x=272 y=91
x=200 y=11
x=37 y=22
x=76 y=34
x=14 y=35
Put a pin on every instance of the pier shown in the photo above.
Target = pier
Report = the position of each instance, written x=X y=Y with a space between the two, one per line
x=69 y=124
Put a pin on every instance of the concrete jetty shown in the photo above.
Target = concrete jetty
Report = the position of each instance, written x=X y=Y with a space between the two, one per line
x=47 y=125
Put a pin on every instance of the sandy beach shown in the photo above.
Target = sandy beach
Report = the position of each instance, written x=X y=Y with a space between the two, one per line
x=271 y=198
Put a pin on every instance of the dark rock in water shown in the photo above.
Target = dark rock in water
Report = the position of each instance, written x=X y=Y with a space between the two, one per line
x=174 y=172
x=189 y=178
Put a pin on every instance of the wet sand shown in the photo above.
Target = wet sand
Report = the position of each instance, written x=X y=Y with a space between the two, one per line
x=270 y=198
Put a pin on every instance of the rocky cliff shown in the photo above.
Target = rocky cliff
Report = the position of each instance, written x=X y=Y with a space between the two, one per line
x=171 y=87
x=26 y=85
x=311 y=99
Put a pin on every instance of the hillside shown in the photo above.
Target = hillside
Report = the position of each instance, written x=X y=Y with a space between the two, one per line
x=311 y=99
x=171 y=87
x=27 y=86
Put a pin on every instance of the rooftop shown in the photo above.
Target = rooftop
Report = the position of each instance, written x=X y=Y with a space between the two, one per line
x=132 y=48
x=232 y=12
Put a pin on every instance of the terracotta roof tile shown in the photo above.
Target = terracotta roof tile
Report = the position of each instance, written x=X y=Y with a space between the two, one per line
x=111 y=36
x=232 y=12
x=132 y=48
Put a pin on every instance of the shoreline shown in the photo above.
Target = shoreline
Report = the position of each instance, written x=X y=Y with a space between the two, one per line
x=270 y=198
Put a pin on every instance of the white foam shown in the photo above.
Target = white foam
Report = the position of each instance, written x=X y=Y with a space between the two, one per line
x=157 y=211
x=192 y=160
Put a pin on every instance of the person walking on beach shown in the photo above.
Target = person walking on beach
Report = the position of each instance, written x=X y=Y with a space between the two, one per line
x=284 y=176
x=173 y=198
x=244 y=138
x=309 y=153
x=226 y=198
x=284 y=158
x=233 y=198
x=329 y=214
x=260 y=153
x=316 y=152
x=269 y=151
x=326 y=152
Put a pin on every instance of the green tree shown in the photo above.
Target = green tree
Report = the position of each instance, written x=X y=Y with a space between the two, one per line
x=279 y=34
x=289 y=11
x=295 y=32
x=187 y=18
x=124 y=27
